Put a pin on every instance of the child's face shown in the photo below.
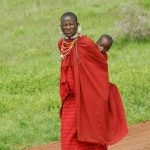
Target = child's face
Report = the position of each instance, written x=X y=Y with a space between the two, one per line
x=104 y=45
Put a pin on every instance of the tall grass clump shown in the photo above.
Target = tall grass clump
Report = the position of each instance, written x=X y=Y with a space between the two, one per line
x=134 y=22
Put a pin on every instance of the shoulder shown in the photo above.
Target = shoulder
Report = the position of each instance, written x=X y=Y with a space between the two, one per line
x=60 y=42
x=86 y=41
x=90 y=48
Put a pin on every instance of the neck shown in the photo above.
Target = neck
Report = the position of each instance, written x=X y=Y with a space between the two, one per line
x=73 y=37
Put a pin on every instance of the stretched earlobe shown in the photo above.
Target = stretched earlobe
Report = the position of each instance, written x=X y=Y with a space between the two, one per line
x=79 y=28
x=60 y=31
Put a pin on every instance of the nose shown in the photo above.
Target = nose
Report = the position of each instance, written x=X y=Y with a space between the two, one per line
x=68 y=27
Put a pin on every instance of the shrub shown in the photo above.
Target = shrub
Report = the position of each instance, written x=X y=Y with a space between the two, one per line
x=134 y=23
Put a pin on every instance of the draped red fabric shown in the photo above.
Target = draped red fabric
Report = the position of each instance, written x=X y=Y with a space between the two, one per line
x=117 y=120
x=116 y=113
x=68 y=113
x=100 y=117
x=69 y=140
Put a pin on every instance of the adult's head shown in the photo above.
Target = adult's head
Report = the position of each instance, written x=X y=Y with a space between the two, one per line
x=69 y=24
x=105 y=42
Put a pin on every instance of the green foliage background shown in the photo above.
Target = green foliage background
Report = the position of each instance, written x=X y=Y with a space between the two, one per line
x=29 y=66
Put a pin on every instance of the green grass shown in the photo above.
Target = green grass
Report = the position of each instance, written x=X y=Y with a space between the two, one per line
x=29 y=66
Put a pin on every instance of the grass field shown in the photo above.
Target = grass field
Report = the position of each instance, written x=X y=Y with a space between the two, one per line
x=29 y=66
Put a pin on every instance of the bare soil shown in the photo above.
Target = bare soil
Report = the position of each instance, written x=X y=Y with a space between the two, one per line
x=138 y=138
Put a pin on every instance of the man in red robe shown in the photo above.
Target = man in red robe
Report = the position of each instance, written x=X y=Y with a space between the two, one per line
x=87 y=120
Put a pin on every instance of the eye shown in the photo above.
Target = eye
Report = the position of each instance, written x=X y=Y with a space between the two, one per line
x=64 y=24
x=72 y=23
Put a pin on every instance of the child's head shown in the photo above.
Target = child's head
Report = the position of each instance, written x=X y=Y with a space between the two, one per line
x=104 y=42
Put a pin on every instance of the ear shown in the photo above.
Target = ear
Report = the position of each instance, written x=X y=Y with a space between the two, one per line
x=60 y=31
x=79 y=28
x=60 y=27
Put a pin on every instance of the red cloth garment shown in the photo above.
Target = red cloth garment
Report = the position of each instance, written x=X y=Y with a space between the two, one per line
x=95 y=122
x=117 y=119
x=116 y=113
x=69 y=139
x=67 y=86
x=92 y=94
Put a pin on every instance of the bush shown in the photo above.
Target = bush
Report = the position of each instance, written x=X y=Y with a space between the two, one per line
x=134 y=23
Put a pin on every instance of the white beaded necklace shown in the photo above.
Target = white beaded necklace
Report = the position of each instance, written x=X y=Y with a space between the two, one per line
x=64 y=53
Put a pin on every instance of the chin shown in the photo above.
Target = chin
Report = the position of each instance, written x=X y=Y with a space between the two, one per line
x=69 y=35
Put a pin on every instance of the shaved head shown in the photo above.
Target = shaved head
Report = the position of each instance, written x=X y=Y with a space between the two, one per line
x=70 y=14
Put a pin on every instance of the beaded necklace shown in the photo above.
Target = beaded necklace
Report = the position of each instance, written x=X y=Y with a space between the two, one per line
x=66 y=47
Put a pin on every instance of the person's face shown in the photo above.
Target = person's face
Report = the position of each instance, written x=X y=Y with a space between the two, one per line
x=104 y=45
x=69 y=26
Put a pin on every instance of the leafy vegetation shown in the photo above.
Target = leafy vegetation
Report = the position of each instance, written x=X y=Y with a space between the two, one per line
x=29 y=65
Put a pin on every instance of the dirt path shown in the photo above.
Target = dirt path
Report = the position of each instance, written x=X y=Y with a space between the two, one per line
x=137 y=139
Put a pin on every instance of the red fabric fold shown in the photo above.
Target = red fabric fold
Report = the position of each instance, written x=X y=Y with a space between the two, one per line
x=100 y=114
x=117 y=124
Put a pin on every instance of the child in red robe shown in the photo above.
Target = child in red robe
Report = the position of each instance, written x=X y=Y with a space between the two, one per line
x=116 y=108
x=104 y=43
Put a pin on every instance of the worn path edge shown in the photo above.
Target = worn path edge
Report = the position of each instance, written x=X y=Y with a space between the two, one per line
x=138 y=138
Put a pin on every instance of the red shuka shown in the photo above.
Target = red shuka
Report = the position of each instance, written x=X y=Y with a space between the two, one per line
x=98 y=104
